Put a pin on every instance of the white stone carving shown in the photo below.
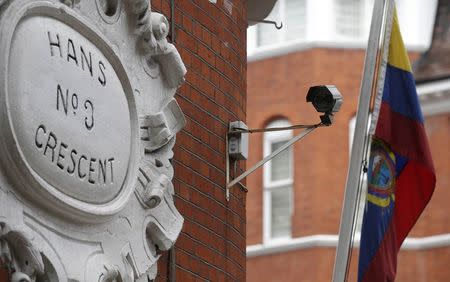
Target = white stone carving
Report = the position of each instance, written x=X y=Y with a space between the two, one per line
x=153 y=29
x=158 y=129
x=17 y=250
x=88 y=121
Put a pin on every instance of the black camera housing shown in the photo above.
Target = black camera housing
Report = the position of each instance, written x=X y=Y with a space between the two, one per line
x=326 y=99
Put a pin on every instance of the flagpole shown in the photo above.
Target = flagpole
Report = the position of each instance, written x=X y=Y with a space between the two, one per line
x=381 y=10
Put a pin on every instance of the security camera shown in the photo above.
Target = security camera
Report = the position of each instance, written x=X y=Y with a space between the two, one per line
x=325 y=99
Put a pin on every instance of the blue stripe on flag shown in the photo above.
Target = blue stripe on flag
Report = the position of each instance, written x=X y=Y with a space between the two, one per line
x=400 y=93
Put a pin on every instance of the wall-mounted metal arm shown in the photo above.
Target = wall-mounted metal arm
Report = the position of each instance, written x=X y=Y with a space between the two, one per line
x=229 y=185
x=269 y=22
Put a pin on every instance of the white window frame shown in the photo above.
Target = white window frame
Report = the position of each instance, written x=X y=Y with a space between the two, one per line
x=269 y=185
x=280 y=17
x=364 y=24
x=320 y=25
x=321 y=29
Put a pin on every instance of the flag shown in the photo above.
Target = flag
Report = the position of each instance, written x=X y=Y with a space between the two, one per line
x=401 y=177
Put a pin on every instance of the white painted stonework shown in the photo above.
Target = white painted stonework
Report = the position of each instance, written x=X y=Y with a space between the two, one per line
x=87 y=125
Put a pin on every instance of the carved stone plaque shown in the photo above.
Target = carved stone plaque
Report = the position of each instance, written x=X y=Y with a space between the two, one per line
x=87 y=122
x=73 y=126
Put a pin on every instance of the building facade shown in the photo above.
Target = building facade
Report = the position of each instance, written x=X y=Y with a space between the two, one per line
x=210 y=37
x=294 y=203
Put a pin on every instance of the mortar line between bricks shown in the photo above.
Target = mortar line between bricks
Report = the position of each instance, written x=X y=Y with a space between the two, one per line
x=215 y=251
x=244 y=63
x=212 y=231
x=223 y=76
x=202 y=176
x=205 y=178
x=193 y=273
x=213 y=100
x=209 y=114
x=209 y=264
x=223 y=238
x=224 y=123
x=223 y=222
x=225 y=12
x=228 y=31
x=221 y=41
x=243 y=254
x=204 y=111
x=203 y=159
x=214 y=67
x=203 y=261
x=209 y=197
x=202 y=144
x=206 y=129
x=231 y=97
x=227 y=15
x=218 y=54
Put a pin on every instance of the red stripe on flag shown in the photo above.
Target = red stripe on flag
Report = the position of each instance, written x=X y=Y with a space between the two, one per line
x=414 y=188
x=406 y=136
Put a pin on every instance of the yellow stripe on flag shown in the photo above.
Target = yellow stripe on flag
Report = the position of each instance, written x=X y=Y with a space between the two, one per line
x=398 y=57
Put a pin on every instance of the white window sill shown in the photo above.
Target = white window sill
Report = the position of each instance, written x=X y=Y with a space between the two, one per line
x=331 y=241
x=291 y=244
x=283 y=48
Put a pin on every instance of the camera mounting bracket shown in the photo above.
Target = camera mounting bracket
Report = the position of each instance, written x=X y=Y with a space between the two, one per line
x=234 y=130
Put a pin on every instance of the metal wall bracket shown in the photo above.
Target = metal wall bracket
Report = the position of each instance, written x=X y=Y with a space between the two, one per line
x=229 y=184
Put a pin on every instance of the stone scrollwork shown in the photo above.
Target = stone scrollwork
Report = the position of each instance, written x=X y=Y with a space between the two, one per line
x=154 y=191
x=18 y=251
x=70 y=3
x=110 y=274
x=153 y=29
x=20 y=277
x=86 y=190
x=158 y=129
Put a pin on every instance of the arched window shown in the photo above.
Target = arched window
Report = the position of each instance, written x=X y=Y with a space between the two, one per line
x=278 y=182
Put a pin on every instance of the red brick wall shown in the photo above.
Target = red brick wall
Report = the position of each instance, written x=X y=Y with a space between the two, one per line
x=316 y=264
x=313 y=265
x=211 y=39
x=277 y=87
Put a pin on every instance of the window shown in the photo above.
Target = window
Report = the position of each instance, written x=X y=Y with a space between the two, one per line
x=293 y=15
x=278 y=180
x=349 y=18
x=311 y=21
